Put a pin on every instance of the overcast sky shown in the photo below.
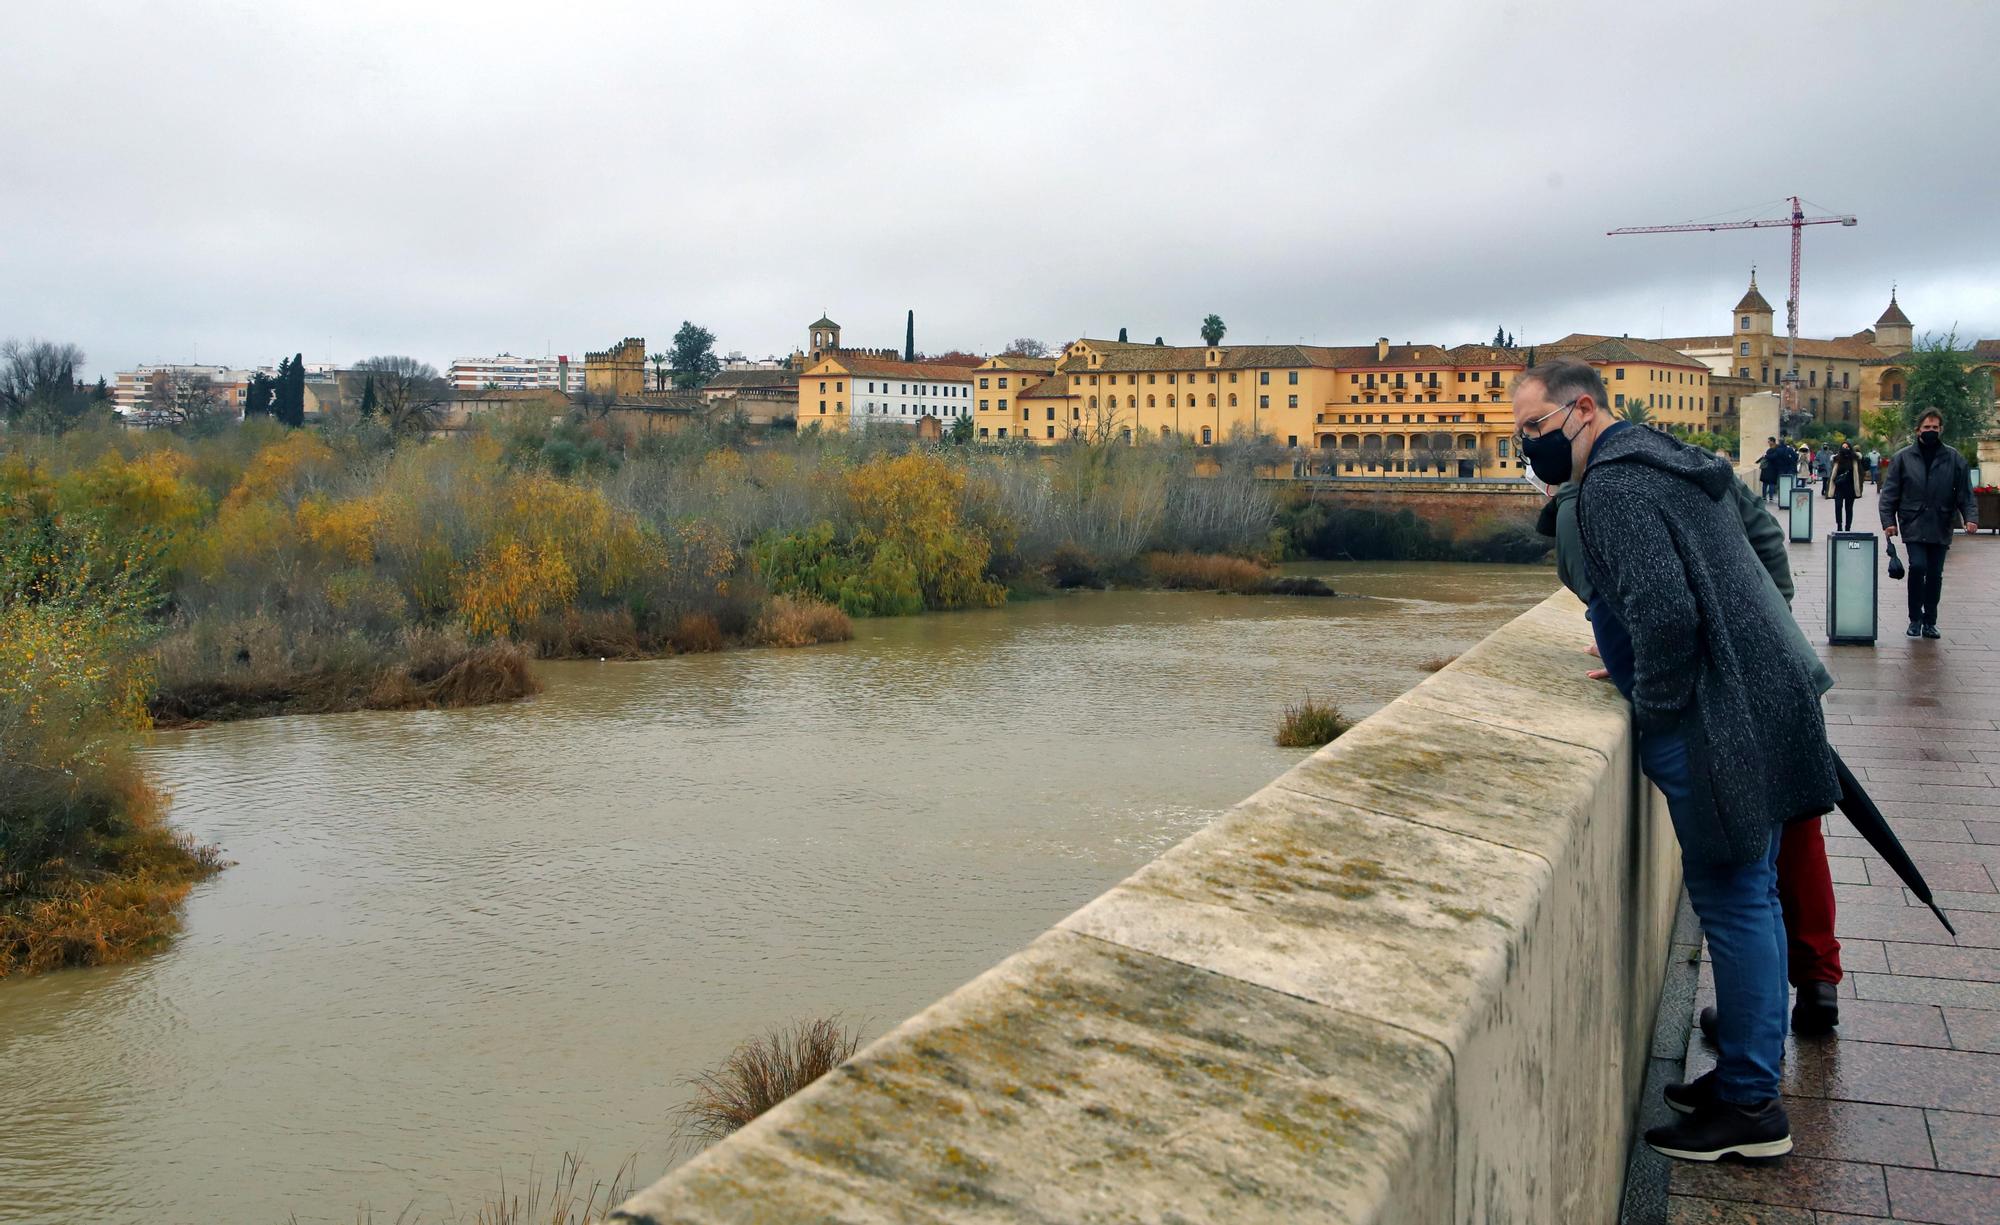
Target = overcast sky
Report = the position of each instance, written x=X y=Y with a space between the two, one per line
x=247 y=178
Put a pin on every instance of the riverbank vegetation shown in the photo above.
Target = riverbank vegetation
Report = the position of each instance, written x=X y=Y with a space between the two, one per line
x=1311 y=724
x=759 y=1074
x=223 y=570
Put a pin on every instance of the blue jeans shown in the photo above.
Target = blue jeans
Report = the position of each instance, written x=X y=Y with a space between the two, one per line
x=1745 y=925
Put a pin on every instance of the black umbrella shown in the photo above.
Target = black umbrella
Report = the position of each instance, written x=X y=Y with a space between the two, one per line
x=1869 y=822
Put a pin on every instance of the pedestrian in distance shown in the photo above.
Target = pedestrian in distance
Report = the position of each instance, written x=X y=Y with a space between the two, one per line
x=1927 y=486
x=1823 y=468
x=1771 y=466
x=1846 y=475
x=1727 y=717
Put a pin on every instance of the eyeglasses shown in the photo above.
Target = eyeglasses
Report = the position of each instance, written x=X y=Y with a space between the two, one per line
x=1522 y=436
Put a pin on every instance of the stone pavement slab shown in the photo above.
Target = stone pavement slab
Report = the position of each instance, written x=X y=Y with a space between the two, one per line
x=1898 y=1115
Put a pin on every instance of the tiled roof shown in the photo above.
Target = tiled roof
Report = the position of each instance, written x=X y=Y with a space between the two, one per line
x=1979 y=351
x=1036 y=365
x=882 y=368
x=1894 y=316
x=1048 y=389
x=1753 y=301
x=822 y=322
x=1587 y=347
x=737 y=380
x=1122 y=359
x=1844 y=347
x=1685 y=343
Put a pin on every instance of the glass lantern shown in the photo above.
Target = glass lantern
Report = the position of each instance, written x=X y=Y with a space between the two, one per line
x=1851 y=569
x=1801 y=516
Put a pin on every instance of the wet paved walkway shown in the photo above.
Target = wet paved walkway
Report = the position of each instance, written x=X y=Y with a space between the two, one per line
x=1898 y=1116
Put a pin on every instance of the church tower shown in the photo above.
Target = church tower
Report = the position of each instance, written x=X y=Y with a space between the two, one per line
x=1893 y=331
x=1753 y=314
x=825 y=338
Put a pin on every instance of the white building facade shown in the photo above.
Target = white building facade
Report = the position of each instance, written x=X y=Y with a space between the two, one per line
x=902 y=400
x=509 y=373
x=130 y=388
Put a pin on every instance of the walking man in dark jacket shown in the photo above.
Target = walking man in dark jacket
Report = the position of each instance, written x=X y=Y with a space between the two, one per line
x=1728 y=718
x=1776 y=460
x=1926 y=486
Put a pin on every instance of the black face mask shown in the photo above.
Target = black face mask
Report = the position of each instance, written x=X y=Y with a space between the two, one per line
x=1929 y=440
x=1549 y=454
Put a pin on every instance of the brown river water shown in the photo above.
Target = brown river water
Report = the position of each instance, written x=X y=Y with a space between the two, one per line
x=457 y=944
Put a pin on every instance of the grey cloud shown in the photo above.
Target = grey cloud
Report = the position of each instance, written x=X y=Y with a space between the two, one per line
x=446 y=179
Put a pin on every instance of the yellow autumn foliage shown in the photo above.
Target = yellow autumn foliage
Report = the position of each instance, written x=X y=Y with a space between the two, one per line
x=507 y=587
x=344 y=528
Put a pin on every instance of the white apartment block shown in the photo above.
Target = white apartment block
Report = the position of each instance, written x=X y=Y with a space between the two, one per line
x=131 y=387
x=509 y=373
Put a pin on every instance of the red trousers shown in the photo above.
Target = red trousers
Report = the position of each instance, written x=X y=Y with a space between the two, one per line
x=1805 y=890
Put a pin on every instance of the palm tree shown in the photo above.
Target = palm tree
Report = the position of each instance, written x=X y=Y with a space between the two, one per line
x=659 y=361
x=1212 y=329
x=1636 y=411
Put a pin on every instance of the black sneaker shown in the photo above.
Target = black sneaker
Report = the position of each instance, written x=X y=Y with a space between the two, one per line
x=1717 y=1129
x=1693 y=1095
x=1817 y=1011
x=1916 y=630
x=1931 y=631
x=1707 y=1021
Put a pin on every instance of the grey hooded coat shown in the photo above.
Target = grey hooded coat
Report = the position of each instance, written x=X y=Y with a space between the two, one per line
x=1665 y=546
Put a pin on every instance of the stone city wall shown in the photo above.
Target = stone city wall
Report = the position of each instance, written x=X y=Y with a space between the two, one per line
x=1458 y=510
x=1412 y=980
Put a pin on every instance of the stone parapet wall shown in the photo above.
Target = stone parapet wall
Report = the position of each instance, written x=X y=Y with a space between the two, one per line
x=1412 y=980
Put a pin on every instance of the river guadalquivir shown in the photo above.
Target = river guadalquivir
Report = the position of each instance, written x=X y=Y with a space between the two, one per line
x=457 y=944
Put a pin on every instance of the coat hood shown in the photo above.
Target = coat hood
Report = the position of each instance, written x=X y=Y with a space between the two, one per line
x=1639 y=444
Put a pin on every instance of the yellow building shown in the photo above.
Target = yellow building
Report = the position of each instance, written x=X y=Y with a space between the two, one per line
x=999 y=384
x=1669 y=385
x=1839 y=378
x=842 y=390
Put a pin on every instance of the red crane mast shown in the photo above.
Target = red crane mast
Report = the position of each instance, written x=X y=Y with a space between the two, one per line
x=1797 y=221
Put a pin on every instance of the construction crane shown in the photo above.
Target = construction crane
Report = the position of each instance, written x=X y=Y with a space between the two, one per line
x=1798 y=221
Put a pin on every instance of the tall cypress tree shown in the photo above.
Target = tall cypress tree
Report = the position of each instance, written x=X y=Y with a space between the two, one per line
x=910 y=337
x=1121 y=336
x=368 y=397
x=294 y=411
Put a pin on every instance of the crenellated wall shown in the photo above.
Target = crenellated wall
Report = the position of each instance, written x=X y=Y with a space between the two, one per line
x=1411 y=980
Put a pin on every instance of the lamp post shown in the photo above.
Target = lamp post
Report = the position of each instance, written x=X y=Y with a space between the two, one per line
x=1801 y=516
x=1851 y=589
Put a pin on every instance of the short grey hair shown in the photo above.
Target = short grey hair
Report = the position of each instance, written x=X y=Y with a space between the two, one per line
x=1566 y=378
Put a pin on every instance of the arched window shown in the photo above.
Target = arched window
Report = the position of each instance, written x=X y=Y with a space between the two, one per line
x=1093 y=401
x=1165 y=432
x=1211 y=399
x=1150 y=402
x=1131 y=401
x=1170 y=401
x=1205 y=438
x=1232 y=399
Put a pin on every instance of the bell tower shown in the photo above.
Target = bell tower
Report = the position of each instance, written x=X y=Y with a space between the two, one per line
x=824 y=338
x=1753 y=315
x=1893 y=331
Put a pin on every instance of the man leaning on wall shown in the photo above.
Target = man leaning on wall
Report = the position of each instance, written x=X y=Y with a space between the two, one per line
x=1727 y=717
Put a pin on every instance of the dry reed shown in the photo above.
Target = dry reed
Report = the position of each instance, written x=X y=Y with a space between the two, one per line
x=1205 y=572
x=696 y=632
x=800 y=621
x=759 y=1074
